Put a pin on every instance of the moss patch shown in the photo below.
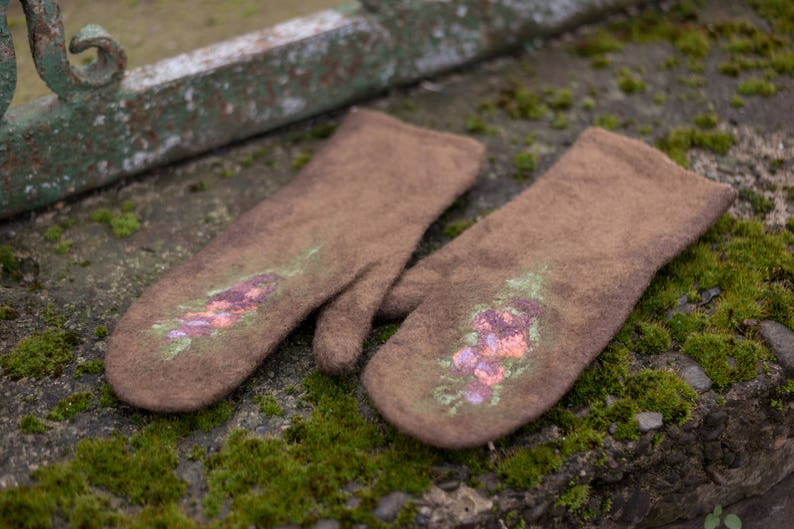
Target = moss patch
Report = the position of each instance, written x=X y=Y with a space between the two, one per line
x=757 y=86
x=43 y=354
x=8 y=260
x=69 y=407
x=607 y=121
x=724 y=358
x=8 y=313
x=630 y=82
x=124 y=225
x=525 y=163
x=92 y=367
x=268 y=405
x=760 y=204
x=679 y=141
x=31 y=424
x=455 y=228
x=663 y=392
x=653 y=339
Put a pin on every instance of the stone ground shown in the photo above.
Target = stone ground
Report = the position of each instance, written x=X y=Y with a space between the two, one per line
x=84 y=278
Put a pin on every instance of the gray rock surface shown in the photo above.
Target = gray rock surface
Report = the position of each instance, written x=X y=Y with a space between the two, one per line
x=389 y=506
x=697 y=379
x=649 y=420
x=780 y=340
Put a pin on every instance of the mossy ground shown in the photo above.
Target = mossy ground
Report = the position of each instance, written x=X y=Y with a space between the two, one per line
x=310 y=447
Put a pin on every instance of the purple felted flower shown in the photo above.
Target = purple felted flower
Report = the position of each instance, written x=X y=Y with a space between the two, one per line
x=465 y=360
x=477 y=392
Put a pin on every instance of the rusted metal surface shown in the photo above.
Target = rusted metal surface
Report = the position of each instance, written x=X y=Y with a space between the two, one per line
x=8 y=65
x=100 y=127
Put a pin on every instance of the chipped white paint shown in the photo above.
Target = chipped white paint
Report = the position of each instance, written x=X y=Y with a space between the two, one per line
x=143 y=158
x=237 y=50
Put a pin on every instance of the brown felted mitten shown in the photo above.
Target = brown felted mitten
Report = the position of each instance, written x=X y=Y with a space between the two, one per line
x=349 y=220
x=505 y=317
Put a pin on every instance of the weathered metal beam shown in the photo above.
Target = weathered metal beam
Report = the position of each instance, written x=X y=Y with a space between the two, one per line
x=100 y=127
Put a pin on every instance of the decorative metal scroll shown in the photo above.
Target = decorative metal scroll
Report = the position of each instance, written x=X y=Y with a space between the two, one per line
x=47 y=42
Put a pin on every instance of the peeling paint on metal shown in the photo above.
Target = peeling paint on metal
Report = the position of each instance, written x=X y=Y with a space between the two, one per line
x=209 y=97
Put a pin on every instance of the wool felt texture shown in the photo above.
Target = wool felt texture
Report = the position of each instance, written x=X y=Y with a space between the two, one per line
x=505 y=317
x=348 y=222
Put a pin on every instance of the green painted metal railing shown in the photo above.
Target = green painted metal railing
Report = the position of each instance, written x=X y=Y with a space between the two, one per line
x=103 y=124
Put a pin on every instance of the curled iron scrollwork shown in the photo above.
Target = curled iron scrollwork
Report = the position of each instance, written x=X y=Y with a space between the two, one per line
x=48 y=45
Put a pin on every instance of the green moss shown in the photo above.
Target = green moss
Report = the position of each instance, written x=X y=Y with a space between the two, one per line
x=455 y=228
x=302 y=159
x=653 y=339
x=63 y=247
x=575 y=500
x=107 y=399
x=659 y=98
x=760 y=204
x=662 y=392
x=268 y=405
x=166 y=517
x=26 y=508
x=607 y=121
x=693 y=42
x=40 y=355
x=679 y=141
x=588 y=103
x=201 y=185
x=522 y=103
x=757 y=86
x=526 y=466
x=692 y=81
x=140 y=469
x=101 y=331
x=783 y=62
x=8 y=260
x=125 y=224
x=30 y=424
x=525 y=163
x=8 y=313
x=69 y=407
x=724 y=358
x=381 y=334
x=682 y=325
x=127 y=206
x=630 y=82
x=53 y=233
x=597 y=44
x=561 y=99
x=736 y=102
x=300 y=478
x=790 y=224
x=706 y=120
x=780 y=13
x=605 y=376
x=580 y=440
x=560 y=122
x=475 y=125
x=92 y=367
x=730 y=68
x=101 y=215
x=600 y=62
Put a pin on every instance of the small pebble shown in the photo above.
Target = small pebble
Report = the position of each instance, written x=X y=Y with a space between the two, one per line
x=780 y=340
x=326 y=524
x=649 y=420
x=389 y=506
x=696 y=378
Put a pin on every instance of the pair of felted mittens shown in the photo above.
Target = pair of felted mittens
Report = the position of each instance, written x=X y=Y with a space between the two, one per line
x=501 y=321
